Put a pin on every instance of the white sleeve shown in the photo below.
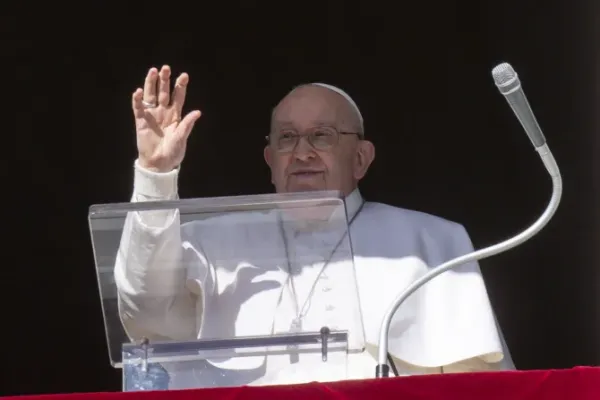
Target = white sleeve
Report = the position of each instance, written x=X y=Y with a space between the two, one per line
x=475 y=331
x=454 y=325
x=149 y=273
x=490 y=360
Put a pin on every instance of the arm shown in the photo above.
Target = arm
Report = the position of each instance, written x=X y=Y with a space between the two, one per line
x=449 y=325
x=149 y=274
x=483 y=362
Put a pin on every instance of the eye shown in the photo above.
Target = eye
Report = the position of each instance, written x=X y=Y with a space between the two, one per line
x=322 y=132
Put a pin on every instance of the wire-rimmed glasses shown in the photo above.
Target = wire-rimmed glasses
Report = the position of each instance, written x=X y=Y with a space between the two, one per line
x=320 y=137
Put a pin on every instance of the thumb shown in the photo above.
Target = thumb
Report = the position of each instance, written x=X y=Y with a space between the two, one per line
x=187 y=124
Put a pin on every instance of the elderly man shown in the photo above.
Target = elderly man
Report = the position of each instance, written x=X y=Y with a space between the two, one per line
x=171 y=287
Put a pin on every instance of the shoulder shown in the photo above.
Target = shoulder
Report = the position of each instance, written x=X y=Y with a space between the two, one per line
x=413 y=219
x=433 y=237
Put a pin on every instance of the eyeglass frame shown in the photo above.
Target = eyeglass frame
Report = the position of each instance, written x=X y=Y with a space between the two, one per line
x=298 y=136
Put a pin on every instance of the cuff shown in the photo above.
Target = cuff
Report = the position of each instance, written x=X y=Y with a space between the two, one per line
x=159 y=185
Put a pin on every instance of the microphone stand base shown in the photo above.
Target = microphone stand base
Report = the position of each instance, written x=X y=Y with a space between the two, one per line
x=382 y=371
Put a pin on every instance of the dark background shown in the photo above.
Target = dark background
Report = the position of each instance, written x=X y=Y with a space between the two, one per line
x=447 y=144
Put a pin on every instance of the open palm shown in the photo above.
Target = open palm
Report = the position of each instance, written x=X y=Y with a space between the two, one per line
x=161 y=132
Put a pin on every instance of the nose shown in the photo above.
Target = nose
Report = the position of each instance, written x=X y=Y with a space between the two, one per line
x=304 y=150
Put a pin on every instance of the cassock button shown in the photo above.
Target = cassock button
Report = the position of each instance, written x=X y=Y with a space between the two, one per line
x=329 y=308
x=326 y=289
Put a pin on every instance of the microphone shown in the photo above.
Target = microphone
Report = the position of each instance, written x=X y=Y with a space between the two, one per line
x=509 y=85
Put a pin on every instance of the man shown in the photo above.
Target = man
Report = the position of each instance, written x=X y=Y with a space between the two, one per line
x=172 y=286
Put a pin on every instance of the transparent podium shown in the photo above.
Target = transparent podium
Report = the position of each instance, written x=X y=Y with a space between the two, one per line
x=233 y=291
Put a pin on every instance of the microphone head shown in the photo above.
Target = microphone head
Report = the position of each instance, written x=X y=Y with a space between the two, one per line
x=505 y=77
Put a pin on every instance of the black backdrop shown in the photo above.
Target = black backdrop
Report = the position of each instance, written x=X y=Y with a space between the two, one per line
x=447 y=144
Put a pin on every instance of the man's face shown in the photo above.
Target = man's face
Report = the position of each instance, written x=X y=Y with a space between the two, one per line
x=316 y=110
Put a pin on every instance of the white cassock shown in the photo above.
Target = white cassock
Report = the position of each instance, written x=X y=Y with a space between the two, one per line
x=179 y=282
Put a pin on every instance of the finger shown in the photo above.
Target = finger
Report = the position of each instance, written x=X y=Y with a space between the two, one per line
x=185 y=126
x=136 y=103
x=152 y=124
x=150 y=86
x=164 y=86
x=179 y=94
x=141 y=113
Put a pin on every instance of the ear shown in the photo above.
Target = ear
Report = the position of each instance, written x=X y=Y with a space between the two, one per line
x=268 y=155
x=365 y=154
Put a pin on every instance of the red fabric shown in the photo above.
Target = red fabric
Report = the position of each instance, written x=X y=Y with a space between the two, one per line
x=582 y=383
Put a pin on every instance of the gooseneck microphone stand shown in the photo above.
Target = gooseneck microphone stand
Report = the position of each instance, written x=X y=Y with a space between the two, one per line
x=509 y=85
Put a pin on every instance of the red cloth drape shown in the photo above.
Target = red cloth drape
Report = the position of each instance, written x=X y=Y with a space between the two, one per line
x=582 y=383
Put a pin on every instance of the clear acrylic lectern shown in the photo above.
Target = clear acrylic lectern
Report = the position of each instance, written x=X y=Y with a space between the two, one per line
x=248 y=290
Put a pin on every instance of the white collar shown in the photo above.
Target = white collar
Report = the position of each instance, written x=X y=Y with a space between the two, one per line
x=353 y=203
x=337 y=220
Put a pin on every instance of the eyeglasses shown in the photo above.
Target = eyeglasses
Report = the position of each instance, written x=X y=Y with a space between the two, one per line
x=321 y=138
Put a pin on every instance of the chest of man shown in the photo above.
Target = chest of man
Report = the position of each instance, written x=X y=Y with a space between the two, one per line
x=273 y=289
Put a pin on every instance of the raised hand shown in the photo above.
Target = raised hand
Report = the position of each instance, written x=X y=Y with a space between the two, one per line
x=160 y=129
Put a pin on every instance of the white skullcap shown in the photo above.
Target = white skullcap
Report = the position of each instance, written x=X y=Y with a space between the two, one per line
x=348 y=99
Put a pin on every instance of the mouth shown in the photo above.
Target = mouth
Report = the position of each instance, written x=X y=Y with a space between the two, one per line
x=306 y=174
